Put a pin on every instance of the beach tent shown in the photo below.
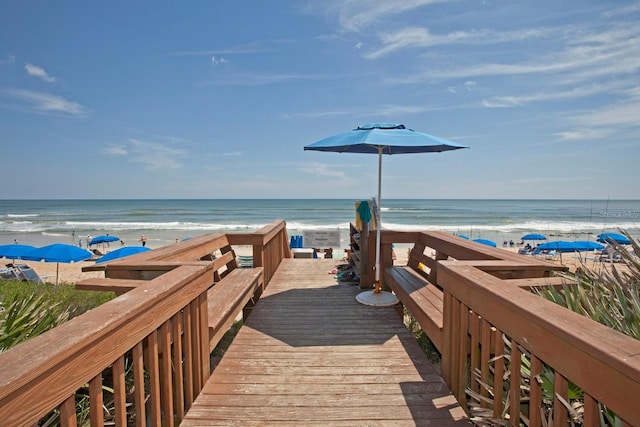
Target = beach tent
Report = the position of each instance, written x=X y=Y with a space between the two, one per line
x=379 y=139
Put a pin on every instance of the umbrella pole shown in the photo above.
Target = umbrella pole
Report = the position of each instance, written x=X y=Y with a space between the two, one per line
x=57 y=272
x=379 y=224
x=377 y=297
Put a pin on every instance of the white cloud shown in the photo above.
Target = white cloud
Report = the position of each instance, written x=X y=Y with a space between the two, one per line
x=46 y=103
x=583 y=134
x=10 y=60
x=118 y=150
x=572 y=55
x=355 y=15
x=35 y=71
x=155 y=156
x=420 y=37
x=322 y=169
x=219 y=60
x=617 y=86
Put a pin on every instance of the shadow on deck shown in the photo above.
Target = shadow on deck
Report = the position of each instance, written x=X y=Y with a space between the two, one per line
x=309 y=354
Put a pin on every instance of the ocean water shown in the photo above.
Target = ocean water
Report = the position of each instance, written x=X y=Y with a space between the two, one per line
x=40 y=222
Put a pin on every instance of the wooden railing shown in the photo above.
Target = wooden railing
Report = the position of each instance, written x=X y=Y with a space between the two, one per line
x=157 y=331
x=153 y=340
x=508 y=353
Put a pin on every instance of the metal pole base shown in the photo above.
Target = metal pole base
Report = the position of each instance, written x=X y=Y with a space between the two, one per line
x=377 y=299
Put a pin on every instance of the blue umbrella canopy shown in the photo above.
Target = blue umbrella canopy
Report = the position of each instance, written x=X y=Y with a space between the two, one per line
x=103 y=239
x=58 y=252
x=562 y=246
x=15 y=251
x=486 y=242
x=463 y=236
x=122 y=252
x=382 y=138
x=613 y=237
x=533 y=236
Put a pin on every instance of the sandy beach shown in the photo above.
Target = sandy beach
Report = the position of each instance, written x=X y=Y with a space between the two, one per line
x=72 y=273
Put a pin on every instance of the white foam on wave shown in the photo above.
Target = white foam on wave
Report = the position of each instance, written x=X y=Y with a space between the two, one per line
x=22 y=215
x=530 y=226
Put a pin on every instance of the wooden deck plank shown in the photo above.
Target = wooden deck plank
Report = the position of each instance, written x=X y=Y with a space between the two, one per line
x=309 y=354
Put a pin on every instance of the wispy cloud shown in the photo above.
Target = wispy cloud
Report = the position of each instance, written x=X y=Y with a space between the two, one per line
x=322 y=170
x=44 y=103
x=572 y=54
x=154 y=156
x=259 y=79
x=355 y=15
x=218 y=60
x=616 y=86
x=39 y=72
x=420 y=37
x=10 y=60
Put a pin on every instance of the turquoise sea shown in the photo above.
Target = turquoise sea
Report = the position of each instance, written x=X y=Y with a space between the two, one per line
x=39 y=222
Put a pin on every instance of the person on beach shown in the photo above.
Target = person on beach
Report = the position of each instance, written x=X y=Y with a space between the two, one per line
x=143 y=240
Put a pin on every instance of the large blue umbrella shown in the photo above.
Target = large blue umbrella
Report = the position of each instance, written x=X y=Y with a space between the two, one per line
x=15 y=251
x=58 y=252
x=382 y=138
x=122 y=252
x=614 y=237
x=485 y=242
x=103 y=239
x=533 y=236
x=562 y=246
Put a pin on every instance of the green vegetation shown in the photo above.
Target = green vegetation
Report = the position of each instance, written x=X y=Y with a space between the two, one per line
x=610 y=296
x=58 y=298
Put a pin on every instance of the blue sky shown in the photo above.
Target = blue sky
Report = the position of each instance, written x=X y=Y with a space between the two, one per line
x=216 y=99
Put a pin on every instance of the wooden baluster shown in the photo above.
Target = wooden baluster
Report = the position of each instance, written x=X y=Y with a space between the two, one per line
x=560 y=389
x=166 y=392
x=514 y=386
x=498 y=376
x=68 y=412
x=95 y=401
x=178 y=374
x=138 y=381
x=119 y=392
x=535 y=393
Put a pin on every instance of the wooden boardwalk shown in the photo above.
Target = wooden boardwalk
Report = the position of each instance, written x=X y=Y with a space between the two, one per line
x=309 y=354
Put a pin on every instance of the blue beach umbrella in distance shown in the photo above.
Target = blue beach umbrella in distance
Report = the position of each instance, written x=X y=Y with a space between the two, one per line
x=563 y=246
x=58 y=252
x=122 y=252
x=533 y=236
x=613 y=237
x=382 y=138
x=103 y=239
x=15 y=251
x=485 y=242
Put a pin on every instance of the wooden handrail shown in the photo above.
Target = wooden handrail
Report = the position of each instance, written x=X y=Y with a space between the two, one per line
x=46 y=371
x=598 y=359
